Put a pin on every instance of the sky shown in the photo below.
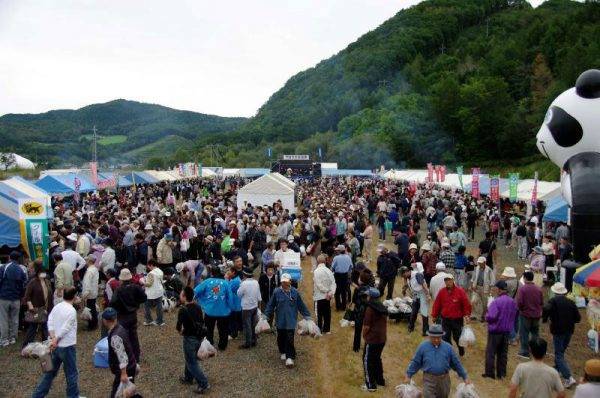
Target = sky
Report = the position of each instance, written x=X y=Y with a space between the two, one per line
x=217 y=57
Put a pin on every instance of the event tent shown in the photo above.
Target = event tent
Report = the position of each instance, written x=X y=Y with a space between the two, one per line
x=346 y=172
x=107 y=175
x=140 y=177
x=65 y=183
x=11 y=191
x=252 y=172
x=557 y=209
x=268 y=189
x=18 y=162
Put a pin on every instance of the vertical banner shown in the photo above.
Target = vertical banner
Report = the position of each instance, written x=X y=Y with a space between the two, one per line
x=320 y=153
x=437 y=173
x=534 y=191
x=475 y=182
x=94 y=170
x=460 y=171
x=180 y=169
x=34 y=228
x=133 y=181
x=513 y=180
x=495 y=188
x=442 y=173
x=269 y=152
x=77 y=185
x=429 y=172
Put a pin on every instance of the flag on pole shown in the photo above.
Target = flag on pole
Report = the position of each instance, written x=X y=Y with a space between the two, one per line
x=495 y=188
x=534 y=191
x=437 y=173
x=442 y=173
x=513 y=181
x=459 y=171
x=320 y=153
x=269 y=151
x=429 y=172
x=475 y=182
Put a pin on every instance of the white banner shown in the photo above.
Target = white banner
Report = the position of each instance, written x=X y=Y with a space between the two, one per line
x=295 y=157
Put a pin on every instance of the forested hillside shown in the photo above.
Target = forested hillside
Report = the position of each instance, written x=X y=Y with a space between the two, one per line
x=447 y=80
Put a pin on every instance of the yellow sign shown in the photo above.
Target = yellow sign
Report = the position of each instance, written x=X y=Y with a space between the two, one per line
x=31 y=208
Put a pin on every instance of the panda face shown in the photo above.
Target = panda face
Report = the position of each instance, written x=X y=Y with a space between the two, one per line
x=572 y=124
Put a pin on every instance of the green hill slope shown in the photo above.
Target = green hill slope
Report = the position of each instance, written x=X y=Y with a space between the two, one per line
x=65 y=136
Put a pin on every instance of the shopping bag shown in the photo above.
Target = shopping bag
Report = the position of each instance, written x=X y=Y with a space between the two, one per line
x=467 y=337
x=349 y=315
x=125 y=390
x=466 y=391
x=344 y=323
x=262 y=326
x=408 y=391
x=206 y=350
x=86 y=314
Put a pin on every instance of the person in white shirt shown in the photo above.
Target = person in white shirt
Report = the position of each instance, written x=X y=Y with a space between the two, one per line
x=89 y=290
x=62 y=328
x=83 y=243
x=323 y=290
x=107 y=261
x=72 y=257
x=249 y=294
x=437 y=282
x=154 y=293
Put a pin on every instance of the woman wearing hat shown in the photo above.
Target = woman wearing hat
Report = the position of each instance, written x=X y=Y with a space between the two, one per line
x=590 y=383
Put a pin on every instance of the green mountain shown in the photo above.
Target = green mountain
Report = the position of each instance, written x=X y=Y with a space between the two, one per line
x=128 y=131
x=458 y=81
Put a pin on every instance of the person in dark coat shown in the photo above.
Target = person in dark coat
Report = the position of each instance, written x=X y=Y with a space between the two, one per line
x=365 y=281
x=38 y=294
x=387 y=269
x=374 y=332
x=121 y=358
x=268 y=282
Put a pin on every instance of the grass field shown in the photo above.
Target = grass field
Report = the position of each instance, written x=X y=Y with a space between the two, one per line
x=107 y=139
x=325 y=368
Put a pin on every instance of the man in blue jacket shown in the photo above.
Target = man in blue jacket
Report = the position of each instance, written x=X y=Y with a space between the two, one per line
x=12 y=288
x=286 y=302
x=215 y=298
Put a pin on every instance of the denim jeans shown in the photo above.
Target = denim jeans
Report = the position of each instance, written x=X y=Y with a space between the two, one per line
x=382 y=232
x=249 y=320
x=192 y=371
x=9 y=319
x=528 y=328
x=68 y=357
x=561 y=342
x=159 y=311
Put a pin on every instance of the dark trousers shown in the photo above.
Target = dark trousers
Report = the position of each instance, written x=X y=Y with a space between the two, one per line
x=66 y=356
x=235 y=323
x=192 y=370
x=471 y=231
x=285 y=342
x=372 y=365
x=323 y=310
x=453 y=329
x=32 y=329
x=358 y=324
x=117 y=381
x=222 y=323
x=496 y=354
x=416 y=306
x=528 y=329
x=249 y=320
x=561 y=342
x=341 y=290
x=389 y=282
x=91 y=304
x=129 y=322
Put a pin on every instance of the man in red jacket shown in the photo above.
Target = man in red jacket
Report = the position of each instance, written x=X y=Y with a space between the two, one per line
x=454 y=307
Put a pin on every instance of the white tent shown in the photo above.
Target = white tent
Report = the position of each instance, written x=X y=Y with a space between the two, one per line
x=267 y=190
x=16 y=162
x=546 y=190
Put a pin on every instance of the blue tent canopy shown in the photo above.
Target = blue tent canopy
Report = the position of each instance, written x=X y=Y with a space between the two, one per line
x=141 y=178
x=65 y=183
x=107 y=175
x=556 y=210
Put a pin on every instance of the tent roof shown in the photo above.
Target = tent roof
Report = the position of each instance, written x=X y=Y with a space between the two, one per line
x=556 y=210
x=20 y=162
x=267 y=185
x=65 y=183
x=286 y=181
x=346 y=172
x=253 y=172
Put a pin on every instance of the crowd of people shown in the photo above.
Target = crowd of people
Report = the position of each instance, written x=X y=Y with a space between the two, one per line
x=188 y=244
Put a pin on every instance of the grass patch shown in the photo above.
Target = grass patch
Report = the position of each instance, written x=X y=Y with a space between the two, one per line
x=112 y=139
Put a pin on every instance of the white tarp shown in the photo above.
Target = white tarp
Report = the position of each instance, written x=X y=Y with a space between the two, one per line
x=267 y=190
x=17 y=161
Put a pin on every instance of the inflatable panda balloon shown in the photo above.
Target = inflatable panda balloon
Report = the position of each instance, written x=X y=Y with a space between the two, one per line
x=570 y=137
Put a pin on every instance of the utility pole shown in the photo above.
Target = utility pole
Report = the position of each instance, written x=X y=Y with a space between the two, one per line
x=95 y=155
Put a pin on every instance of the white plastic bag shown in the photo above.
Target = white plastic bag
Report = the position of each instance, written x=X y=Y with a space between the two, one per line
x=308 y=327
x=490 y=300
x=408 y=391
x=388 y=303
x=344 y=323
x=302 y=328
x=303 y=251
x=86 y=314
x=262 y=326
x=466 y=391
x=125 y=390
x=206 y=350
x=36 y=349
x=467 y=337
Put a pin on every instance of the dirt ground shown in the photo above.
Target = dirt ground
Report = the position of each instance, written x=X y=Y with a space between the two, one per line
x=325 y=368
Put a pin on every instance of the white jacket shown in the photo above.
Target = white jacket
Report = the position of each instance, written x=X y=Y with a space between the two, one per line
x=154 y=284
x=324 y=282
x=249 y=293
x=89 y=285
x=489 y=279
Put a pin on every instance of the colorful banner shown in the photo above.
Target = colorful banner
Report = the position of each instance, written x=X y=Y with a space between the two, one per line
x=513 y=181
x=77 y=185
x=495 y=188
x=180 y=169
x=460 y=171
x=429 y=172
x=34 y=228
x=475 y=182
x=442 y=173
x=534 y=191
x=94 y=170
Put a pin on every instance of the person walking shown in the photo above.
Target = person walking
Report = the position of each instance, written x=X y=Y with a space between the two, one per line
x=323 y=290
x=121 y=359
x=191 y=326
x=154 y=289
x=387 y=269
x=374 y=331
x=12 y=288
x=453 y=305
x=359 y=301
x=530 y=301
x=435 y=357
x=368 y=237
x=215 y=298
x=481 y=284
x=341 y=267
x=286 y=303
x=437 y=282
x=126 y=300
x=500 y=318
x=590 y=383
x=249 y=294
x=563 y=315
x=535 y=379
x=62 y=327
x=415 y=282
x=38 y=298
x=89 y=290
